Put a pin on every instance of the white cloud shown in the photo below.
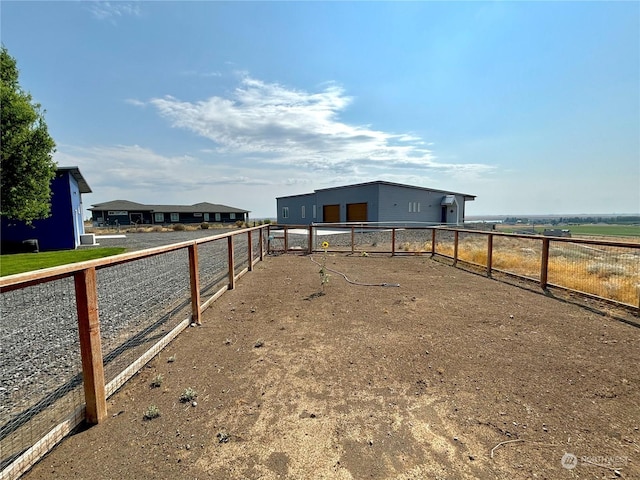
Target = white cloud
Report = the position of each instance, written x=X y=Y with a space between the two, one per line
x=288 y=127
x=112 y=10
x=135 y=102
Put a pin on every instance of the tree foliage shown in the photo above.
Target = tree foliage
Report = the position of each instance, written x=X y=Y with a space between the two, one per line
x=26 y=165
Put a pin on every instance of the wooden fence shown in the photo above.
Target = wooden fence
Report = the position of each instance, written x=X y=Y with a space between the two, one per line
x=604 y=270
x=96 y=390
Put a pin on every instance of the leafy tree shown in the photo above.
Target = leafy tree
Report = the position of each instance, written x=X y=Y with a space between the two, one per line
x=26 y=165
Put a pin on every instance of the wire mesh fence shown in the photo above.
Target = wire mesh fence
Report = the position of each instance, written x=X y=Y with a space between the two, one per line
x=611 y=272
x=40 y=378
x=139 y=302
x=142 y=303
x=213 y=267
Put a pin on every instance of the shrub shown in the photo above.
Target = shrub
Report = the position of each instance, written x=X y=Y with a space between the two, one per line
x=188 y=395
x=157 y=228
x=157 y=381
x=204 y=226
x=239 y=224
x=178 y=227
x=151 y=412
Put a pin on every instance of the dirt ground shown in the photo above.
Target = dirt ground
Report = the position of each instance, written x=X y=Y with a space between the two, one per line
x=448 y=376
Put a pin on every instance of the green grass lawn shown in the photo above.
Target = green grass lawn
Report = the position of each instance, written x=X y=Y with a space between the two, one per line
x=615 y=230
x=26 y=262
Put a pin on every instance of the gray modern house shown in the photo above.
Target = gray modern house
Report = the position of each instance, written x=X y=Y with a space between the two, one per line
x=374 y=202
x=124 y=212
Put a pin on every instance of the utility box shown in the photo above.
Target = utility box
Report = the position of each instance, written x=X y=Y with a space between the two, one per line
x=88 y=239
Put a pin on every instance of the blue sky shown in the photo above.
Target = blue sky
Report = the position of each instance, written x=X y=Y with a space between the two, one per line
x=532 y=106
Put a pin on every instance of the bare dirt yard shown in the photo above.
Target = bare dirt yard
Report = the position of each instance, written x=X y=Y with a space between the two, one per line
x=448 y=376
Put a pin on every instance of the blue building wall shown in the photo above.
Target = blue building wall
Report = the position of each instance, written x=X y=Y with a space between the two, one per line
x=62 y=230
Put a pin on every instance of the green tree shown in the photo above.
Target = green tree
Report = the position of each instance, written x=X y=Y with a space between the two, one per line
x=26 y=165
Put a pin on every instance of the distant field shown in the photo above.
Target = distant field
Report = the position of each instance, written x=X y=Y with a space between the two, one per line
x=616 y=230
x=584 y=229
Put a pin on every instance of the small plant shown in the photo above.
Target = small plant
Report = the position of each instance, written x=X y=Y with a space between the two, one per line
x=239 y=224
x=178 y=227
x=204 y=226
x=188 y=395
x=324 y=276
x=152 y=412
x=171 y=359
x=157 y=381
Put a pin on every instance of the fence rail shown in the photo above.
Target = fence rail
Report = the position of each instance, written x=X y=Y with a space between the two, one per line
x=70 y=336
x=605 y=270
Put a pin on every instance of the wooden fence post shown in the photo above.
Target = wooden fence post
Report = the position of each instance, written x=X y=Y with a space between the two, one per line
x=353 y=238
x=232 y=275
x=261 y=236
x=250 y=248
x=544 y=264
x=393 y=242
x=455 y=247
x=90 y=346
x=433 y=242
x=194 y=278
x=489 y=254
x=310 y=241
x=286 y=239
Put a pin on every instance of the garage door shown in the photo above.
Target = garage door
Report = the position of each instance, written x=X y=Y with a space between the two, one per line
x=331 y=213
x=356 y=212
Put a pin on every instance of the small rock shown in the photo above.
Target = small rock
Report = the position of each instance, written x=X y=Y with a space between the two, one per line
x=194 y=404
x=258 y=344
x=471 y=457
x=187 y=446
x=370 y=442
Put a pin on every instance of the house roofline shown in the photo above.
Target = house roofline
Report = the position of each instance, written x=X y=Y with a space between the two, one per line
x=382 y=182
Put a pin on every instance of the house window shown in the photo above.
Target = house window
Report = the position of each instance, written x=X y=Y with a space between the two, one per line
x=314 y=211
x=197 y=214
x=206 y=217
x=418 y=207
x=410 y=205
x=158 y=217
x=285 y=212
x=232 y=216
x=218 y=217
x=302 y=211
x=414 y=207
x=175 y=217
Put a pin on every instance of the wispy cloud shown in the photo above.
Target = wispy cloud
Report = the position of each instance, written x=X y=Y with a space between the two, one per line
x=284 y=126
x=135 y=102
x=112 y=10
x=196 y=73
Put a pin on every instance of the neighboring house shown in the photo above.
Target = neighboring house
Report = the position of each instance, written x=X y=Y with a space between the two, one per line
x=374 y=202
x=62 y=230
x=124 y=212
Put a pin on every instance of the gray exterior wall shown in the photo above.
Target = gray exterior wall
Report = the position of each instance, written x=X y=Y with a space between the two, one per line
x=350 y=194
x=385 y=203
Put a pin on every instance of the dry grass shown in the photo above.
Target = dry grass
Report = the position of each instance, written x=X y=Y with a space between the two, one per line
x=612 y=273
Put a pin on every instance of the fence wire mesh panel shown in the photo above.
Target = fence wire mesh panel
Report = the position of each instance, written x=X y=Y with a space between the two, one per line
x=472 y=248
x=255 y=245
x=276 y=240
x=339 y=239
x=41 y=374
x=213 y=267
x=297 y=239
x=611 y=272
x=517 y=255
x=444 y=242
x=371 y=239
x=416 y=241
x=139 y=303
x=240 y=253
